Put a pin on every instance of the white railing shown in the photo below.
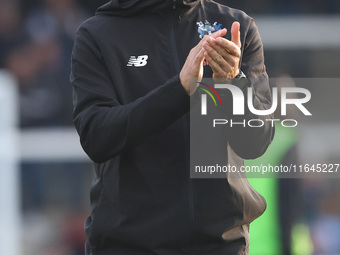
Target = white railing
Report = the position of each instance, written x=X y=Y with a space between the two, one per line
x=9 y=162
x=299 y=32
x=51 y=145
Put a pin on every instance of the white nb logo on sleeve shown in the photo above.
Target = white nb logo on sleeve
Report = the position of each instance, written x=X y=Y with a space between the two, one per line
x=139 y=61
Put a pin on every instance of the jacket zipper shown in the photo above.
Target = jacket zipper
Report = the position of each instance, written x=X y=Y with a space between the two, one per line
x=191 y=213
x=173 y=44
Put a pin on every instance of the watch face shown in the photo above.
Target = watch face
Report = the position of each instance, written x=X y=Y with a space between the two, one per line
x=242 y=82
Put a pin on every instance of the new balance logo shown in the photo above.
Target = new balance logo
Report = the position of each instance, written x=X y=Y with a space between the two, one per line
x=139 y=61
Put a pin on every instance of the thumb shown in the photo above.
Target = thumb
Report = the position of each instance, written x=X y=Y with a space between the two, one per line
x=235 y=34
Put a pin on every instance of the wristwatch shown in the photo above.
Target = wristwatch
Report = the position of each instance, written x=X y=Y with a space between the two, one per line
x=240 y=80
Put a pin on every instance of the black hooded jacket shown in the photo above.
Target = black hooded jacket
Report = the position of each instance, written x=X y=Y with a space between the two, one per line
x=131 y=113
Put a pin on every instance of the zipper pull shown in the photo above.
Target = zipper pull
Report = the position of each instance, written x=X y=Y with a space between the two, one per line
x=174 y=4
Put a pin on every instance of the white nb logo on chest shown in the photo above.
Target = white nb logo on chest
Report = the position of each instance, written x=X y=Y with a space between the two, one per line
x=139 y=61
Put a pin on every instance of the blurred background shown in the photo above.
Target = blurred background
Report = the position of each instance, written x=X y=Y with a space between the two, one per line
x=45 y=176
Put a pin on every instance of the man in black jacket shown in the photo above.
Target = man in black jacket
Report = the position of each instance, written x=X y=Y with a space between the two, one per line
x=132 y=65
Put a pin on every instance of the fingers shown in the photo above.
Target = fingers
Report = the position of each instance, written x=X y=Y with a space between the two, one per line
x=230 y=58
x=192 y=70
x=223 y=55
x=193 y=66
x=219 y=33
x=199 y=57
x=235 y=34
x=231 y=47
x=214 y=35
x=218 y=58
x=220 y=50
x=216 y=68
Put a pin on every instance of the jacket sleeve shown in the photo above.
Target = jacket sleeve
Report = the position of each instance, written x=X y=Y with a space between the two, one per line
x=252 y=142
x=105 y=126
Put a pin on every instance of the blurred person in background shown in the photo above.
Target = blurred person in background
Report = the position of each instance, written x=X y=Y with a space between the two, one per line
x=322 y=213
x=11 y=30
x=325 y=227
x=35 y=59
x=59 y=19
x=52 y=29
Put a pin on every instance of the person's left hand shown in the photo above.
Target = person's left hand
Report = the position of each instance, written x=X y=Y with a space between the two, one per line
x=223 y=55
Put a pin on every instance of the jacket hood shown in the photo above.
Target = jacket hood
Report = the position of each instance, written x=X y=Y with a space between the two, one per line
x=133 y=7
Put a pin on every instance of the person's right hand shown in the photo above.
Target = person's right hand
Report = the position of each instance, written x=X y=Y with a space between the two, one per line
x=192 y=71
